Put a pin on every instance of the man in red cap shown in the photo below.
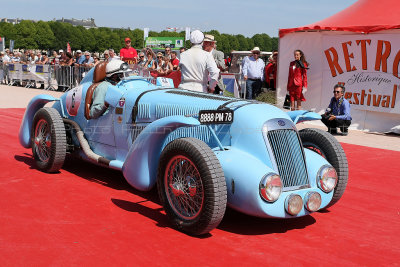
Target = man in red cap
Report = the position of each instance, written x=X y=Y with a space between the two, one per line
x=128 y=53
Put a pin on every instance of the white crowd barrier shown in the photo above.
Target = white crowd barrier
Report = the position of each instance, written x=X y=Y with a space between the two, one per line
x=49 y=77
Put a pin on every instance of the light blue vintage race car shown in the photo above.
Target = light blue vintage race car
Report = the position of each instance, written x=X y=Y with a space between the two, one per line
x=203 y=151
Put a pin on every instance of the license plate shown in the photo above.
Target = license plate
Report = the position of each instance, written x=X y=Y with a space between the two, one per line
x=216 y=116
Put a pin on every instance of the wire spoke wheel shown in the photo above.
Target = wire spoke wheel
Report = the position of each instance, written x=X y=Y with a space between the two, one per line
x=48 y=140
x=184 y=187
x=191 y=186
x=43 y=140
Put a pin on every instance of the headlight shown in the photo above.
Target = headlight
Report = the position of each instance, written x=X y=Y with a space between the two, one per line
x=271 y=187
x=293 y=204
x=327 y=178
x=313 y=201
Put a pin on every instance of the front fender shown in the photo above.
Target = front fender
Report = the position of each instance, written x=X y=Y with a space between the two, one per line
x=34 y=105
x=243 y=173
x=298 y=116
x=140 y=166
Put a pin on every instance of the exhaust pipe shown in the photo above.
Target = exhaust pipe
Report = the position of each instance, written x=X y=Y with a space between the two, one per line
x=85 y=145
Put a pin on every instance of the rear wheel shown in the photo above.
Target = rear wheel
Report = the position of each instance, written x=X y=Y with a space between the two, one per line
x=327 y=146
x=191 y=186
x=48 y=140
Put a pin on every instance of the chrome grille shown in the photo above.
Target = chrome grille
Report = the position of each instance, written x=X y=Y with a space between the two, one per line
x=289 y=158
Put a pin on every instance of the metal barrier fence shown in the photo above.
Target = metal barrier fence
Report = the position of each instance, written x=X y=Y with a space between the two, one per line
x=49 y=77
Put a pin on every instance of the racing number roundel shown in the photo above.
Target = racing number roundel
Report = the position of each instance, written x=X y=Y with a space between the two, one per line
x=73 y=100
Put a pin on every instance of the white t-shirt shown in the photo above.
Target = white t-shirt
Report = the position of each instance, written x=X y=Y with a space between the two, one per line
x=6 y=58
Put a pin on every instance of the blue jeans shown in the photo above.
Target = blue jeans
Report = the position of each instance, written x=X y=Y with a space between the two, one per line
x=253 y=88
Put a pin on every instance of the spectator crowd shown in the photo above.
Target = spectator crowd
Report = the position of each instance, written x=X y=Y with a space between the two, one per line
x=196 y=70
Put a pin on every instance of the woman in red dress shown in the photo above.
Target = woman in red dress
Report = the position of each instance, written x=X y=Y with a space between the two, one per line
x=297 y=80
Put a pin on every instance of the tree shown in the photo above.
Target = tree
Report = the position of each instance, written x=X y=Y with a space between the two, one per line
x=8 y=30
x=243 y=43
x=44 y=35
x=138 y=40
x=274 y=43
x=55 y=35
x=26 y=33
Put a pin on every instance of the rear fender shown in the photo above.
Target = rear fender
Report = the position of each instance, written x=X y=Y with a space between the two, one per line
x=298 y=116
x=34 y=105
x=140 y=166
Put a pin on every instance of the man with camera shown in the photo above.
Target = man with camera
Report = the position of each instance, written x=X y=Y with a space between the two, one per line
x=338 y=112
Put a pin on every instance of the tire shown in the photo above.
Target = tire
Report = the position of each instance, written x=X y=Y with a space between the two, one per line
x=327 y=146
x=48 y=140
x=204 y=191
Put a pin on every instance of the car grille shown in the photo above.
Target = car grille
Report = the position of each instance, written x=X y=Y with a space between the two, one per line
x=289 y=158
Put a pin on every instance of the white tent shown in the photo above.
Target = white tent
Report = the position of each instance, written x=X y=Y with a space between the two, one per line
x=359 y=46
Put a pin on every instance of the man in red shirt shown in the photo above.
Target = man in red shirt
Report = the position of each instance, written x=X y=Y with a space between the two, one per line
x=174 y=60
x=128 y=53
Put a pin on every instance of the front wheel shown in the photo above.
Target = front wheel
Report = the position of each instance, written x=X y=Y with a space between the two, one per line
x=48 y=140
x=327 y=146
x=191 y=186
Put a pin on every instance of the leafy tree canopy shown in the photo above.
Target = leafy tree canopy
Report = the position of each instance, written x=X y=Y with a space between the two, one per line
x=55 y=35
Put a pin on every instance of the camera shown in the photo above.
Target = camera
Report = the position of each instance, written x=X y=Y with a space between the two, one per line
x=327 y=114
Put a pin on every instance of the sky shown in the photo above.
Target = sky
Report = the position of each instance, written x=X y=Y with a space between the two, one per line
x=231 y=17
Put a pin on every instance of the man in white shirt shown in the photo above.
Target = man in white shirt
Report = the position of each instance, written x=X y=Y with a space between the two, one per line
x=5 y=58
x=196 y=65
x=253 y=72
x=113 y=56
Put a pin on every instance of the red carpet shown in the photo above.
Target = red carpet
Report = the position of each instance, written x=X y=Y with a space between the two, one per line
x=89 y=216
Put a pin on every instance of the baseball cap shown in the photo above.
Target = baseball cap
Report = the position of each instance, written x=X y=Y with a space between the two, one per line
x=60 y=51
x=78 y=51
x=127 y=39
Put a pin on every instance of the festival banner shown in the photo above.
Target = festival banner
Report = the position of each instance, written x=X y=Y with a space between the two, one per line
x=369 y=67
x=161 y=42
x=11 y=45
x=146 y=33
x=187 y=33
x=2 y=43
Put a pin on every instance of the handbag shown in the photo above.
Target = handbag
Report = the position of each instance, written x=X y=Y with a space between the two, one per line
x=286 y=103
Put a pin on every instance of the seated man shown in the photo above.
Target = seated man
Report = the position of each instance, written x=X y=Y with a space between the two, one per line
x=115 y=70
x=338 y=112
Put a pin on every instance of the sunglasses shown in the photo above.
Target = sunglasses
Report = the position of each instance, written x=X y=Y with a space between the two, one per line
x=141 y=56
x=127 y=41
x=255 y=53
x=337 y=92
x=159 y=56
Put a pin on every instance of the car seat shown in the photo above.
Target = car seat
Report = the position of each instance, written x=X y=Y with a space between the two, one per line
x=99 y=75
